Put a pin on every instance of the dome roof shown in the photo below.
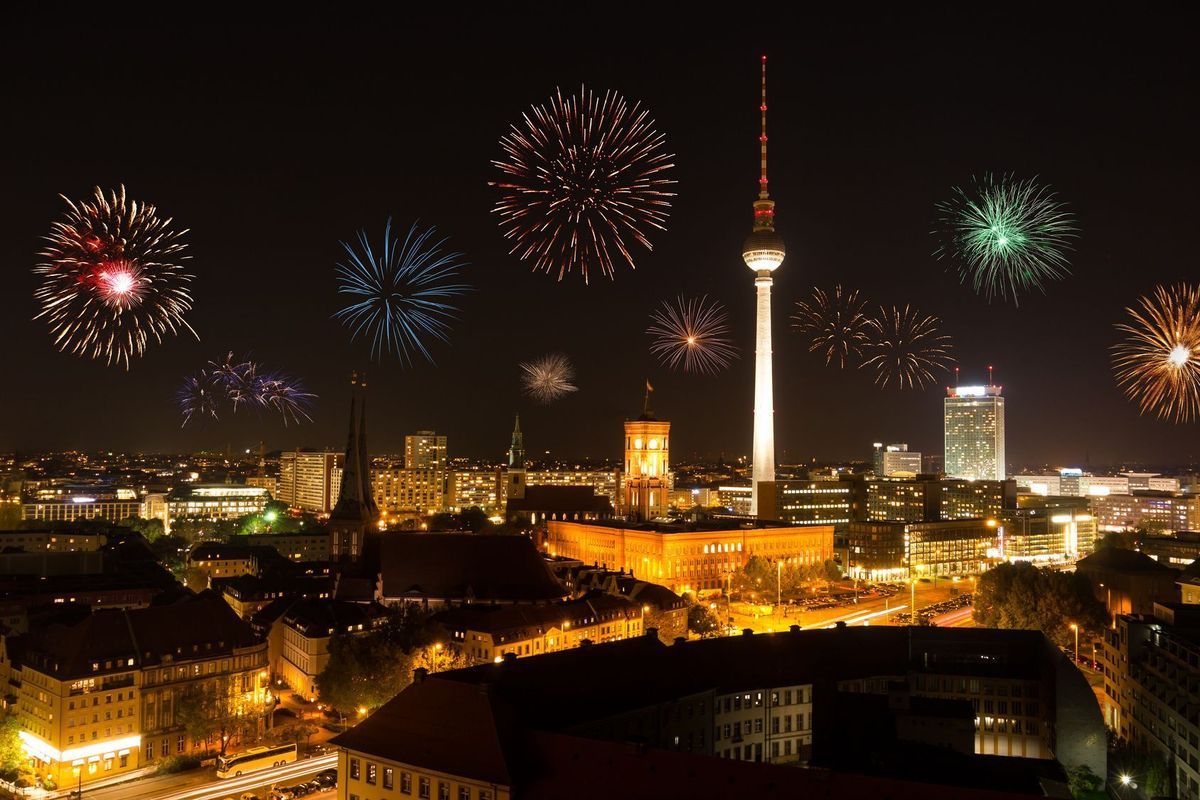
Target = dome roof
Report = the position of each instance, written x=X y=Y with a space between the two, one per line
x=763 y=240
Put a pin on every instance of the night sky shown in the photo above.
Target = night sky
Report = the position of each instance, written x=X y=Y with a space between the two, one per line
x=274 y=141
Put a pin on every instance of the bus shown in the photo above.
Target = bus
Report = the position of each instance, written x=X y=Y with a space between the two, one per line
x=255 y=758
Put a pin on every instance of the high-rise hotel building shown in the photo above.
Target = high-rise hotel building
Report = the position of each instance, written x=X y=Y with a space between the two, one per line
x=308 y=479
x=974 y=427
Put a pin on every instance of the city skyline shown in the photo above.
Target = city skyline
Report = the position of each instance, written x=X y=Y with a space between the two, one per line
x=263 y=145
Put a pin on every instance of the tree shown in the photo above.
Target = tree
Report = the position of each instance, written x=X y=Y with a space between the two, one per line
x=1024 y=596
x=702 y=621
x=297 y=732
x=830 y=571
x=1117 y=541
x=150 y=529
x=1083 y=782
x=10 y=515
x=170 y=551
x=221 y=710
x=195 y=579
x=12 y=756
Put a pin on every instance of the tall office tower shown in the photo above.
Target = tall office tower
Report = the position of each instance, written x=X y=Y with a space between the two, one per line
x=355 y=512
x=896 y=460
x=425 y=450
x=647 y=464
x=307 y=479
x=763 y=252
x=974 y=426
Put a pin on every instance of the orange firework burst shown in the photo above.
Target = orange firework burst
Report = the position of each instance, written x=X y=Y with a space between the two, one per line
x=1158 y=363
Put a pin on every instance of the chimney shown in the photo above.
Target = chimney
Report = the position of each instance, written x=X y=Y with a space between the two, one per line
x=747 y=631
x=680 y=640
x=510 y=657
x=419 y=675
x=651 y=633
x=794 y=628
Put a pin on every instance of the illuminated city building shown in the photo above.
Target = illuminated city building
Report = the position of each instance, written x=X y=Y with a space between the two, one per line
x=906 y=550
x=475 y=488
x=425 y=450
x=763 y=252
x=807 y=502
x=104 y=700
x=694 y=557
x=489 y=633
x=896 y=461
x=1177 y=550
x=294 y=546
x=1160 y=512
x=298 y=642
x=268 y=482
x=415 y=490
x=974 y=432
x=605 y=482
x=738 y=499
x=81 y=507
x=1073 y=482
x=306 y=479
x=1128 y=582
x=647 y=465
x=1046 y=535
x=928 y=500
x=213 y=502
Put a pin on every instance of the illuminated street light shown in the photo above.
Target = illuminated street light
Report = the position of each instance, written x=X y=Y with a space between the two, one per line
x=1075 y=628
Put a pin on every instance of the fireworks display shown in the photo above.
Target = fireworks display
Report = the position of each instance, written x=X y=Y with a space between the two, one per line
x=401 y=293
x=1006 y=236
x=834 y=322
x=692 y=335
x=548 y=378
x=904 y=347
x=112 y=280
x=242 y=383
x=582 y=175
x=1158 y=362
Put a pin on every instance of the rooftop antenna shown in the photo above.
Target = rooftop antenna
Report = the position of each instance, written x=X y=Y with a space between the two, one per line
x=991 y=382
x=956 y=377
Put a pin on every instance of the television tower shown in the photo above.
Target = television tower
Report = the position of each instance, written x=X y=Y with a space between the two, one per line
x=763 y=252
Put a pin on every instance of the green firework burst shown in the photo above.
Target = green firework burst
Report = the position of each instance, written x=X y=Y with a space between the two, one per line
x=1006 y=236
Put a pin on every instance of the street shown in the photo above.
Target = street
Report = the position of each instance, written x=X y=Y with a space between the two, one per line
x=203 y=784
x=869 y=610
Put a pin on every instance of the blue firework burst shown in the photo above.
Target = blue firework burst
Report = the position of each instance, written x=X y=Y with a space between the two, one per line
x=400 y=294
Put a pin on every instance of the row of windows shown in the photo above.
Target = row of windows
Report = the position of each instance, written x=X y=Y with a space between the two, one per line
x=424 y=785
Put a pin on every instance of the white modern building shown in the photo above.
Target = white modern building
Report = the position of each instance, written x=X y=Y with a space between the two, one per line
x=896 y=461
x=974 y=430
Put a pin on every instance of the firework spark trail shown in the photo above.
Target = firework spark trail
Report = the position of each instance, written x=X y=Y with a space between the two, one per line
x=582 y=174
x=1006 y=236
x=1158 y=362
x=548 y=378
x=692 y=334
x=112 y=280
x=835 y=322
x=399 y=294
x=243 y=383
x=903 y=345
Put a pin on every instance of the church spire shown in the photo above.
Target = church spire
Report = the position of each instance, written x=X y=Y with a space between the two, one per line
x=516 y=450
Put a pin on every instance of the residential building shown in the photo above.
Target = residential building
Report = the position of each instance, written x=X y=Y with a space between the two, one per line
x=305 y=631
x=537 y=504
x=100 y=697
x=688 y=557
x=1177 y=550
x=475 y=488
x=1158 y=512
x=306 y=479
x=808 y=502
x=425 y=450
x=294 y=546
x=974 y=432
x=605 y=482
x=488 y=633
x=30 y=541
x=418 y=491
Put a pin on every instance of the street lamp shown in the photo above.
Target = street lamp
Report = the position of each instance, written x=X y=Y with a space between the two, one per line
x=79 y=778
x=779 y=583
x=1075 y=628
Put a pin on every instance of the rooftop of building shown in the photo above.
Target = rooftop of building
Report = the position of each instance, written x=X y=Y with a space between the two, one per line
x=1118 y=559
x=560 y=500
x=320 y=618
x=522 y=621
x=108 y=640
x=709 y=524
x=457 y=566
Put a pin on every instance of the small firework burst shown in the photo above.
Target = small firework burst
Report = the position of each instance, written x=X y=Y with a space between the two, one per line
x=242 y=382
x=582 y=175
x=835 y=322
x=112 y=279
x=548 y=378
x=1158 y=362
x=692 y=335
x=905 y=347
x=1006 y=236
x=400 y=294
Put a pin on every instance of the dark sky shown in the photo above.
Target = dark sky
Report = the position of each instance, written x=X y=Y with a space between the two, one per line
x=272 y=141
